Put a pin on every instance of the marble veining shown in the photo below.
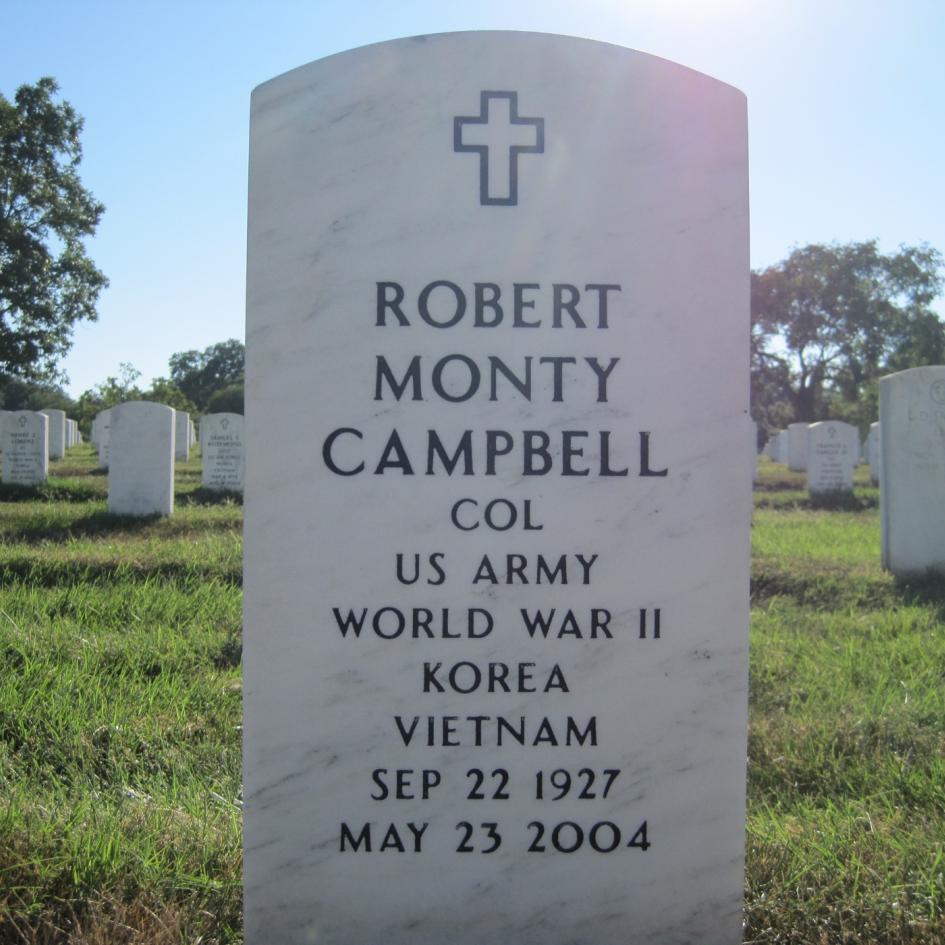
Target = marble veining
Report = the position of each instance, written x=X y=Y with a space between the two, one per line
x=497 y=500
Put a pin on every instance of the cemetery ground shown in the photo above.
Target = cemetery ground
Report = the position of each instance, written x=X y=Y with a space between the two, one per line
x=120 y=707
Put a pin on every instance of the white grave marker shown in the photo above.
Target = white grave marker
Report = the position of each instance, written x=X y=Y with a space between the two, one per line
x=912 y=460
x=57 y=432
x=221 y=437
x=797 y=447
x=499 y=494
x=833 y=450
x=141 y=459
x=103 y=420
x=25 y=447
x=873 y=453
x=182 y=435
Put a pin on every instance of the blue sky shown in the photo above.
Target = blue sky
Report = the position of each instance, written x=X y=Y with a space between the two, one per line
x=847 y=136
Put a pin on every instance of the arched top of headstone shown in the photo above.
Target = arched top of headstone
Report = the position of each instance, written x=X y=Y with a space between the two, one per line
x=496 y=42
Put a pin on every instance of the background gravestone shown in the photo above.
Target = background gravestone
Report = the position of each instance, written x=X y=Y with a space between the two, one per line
x=498 y=498
x=797 y=447
x=57 y=432
x=912 y=460
x=3 y=418
x=103 y=443
x=25 y=447
x=833 y=451
x=141 y=459
x=221 y=439
x=873 y=452
x=181 y=435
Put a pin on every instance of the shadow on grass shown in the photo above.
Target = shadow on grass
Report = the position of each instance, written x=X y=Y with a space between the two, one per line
x=204 y=496
x=64 y=471
x=831 y=588
x=926 y=590
x=50 y=491
x=825 y=588
x=63 y=574
x=779 y=485
x=843 y=502
x=795 y=500
x=99 y=522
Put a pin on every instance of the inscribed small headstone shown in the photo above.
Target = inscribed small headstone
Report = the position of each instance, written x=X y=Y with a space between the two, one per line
x=221 y=436
x=797 y=447
x=141 y=459
x=57 y=432
x=181 y=435
x=499 y=491
x=833 y=450
x=25 y=438
x=912 y=458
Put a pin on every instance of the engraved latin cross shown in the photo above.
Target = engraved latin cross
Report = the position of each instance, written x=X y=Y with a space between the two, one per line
x=498 y=135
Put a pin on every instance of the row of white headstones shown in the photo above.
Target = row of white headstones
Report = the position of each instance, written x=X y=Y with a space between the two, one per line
x=905 y=450
x=137 y=442
x=62 y=434
x=828 y=451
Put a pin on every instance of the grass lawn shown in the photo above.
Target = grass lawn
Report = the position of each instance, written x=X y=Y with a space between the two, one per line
x=120 y=722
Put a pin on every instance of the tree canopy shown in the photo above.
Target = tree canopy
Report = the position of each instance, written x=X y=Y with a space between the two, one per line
x=829 y=320
x=47 y=282
x=201 y=374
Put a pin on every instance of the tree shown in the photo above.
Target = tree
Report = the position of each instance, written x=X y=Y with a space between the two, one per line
x=226 y=400
x=17 y=394
x=168 y=393
x=829 y=320
x=112 y=391
x=47 y=282
x=199 y=374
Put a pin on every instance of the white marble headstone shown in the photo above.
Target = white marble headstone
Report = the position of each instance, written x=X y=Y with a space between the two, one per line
x=182 y=435
x=770 y=445
x=141 y=459
x=912 y=460
x=797 y=446
x=25 y=447
x=498 y=498
x=221 y=439
x=57 y=432
x=873 y=452
x=103 y=423
x=833 y=450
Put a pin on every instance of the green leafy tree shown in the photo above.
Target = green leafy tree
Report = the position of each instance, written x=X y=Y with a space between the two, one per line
x=167 y=392
x=17 y=394
x=112 y=391
x=226 y=400
x=829 y=320
x=199 y=374
x=47 y=282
